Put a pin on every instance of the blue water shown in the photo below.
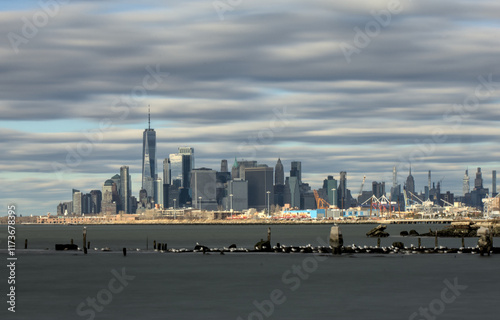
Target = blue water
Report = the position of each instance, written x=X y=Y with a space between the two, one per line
x=51 y=285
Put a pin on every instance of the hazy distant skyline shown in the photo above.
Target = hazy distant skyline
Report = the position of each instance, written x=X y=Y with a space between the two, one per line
x=360 y=103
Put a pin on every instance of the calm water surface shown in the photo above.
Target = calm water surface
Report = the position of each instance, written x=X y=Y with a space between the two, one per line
x=52 y=285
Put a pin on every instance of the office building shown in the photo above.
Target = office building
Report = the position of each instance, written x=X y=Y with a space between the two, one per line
x=466 y=183
x=237 y=195
x=77 y=202
x=279 y=173
x=296 y=170
x=223 y=166
x=125 y=189
x=149 y=158
x=410 y=184
x=203 y=182
x=260 y=187
x=166 y=171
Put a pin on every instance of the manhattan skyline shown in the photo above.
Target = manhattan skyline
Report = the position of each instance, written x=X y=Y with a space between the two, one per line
x=268 y=81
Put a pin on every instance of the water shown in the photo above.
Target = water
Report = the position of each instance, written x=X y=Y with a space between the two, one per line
x=51 y=285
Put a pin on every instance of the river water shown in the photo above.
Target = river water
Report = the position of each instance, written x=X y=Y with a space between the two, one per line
x=152 y=285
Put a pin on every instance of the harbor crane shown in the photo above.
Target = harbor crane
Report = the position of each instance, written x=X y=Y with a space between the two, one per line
x=362 y=185
x=320 y=202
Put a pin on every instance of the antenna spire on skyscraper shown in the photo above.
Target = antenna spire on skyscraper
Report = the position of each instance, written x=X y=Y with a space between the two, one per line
x=149 y=117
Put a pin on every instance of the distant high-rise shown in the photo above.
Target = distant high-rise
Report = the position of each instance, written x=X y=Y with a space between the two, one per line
x=260 y=182
x=166 y=171
x=478 y=182
x=279 y=173
x=125 y=189
x=342 y=191
x=223 y=165
x=493 y=182
x=149 y=158
x=296 y=170
x=203 y=183
x=96 y=201
x=466 y=183
x=410 y=183
x=77 y=202
x=394 y=177
x=189 y=152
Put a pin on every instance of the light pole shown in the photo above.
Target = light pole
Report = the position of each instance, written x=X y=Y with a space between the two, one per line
x=175 y=200
x=333 y=200
x=231 y=199
x=268 y=193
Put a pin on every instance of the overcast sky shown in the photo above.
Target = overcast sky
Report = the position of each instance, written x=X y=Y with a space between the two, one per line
x=356 y=86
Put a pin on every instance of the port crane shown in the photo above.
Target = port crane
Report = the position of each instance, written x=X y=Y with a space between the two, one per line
x=362 y=185
x=320 y=202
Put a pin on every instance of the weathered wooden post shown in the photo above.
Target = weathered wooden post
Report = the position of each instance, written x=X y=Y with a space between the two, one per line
x=88 y=245
x=85 y=240
x=336 y=240
x=71 y=241
x=436 y=240
x=25 y=243
x=269 y=234
x=419 y=243
x=378 y=242
x=154 y=244
x=124 y=252
x=463 y=242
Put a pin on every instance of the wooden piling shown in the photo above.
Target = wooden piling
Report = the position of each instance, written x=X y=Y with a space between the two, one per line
x=71 y=241
x=419 y=243
x=124 y=252
x=269 y=234
x=378 y=242
x=436 y=240
x=25 y=243
x=463 y=242
x=85 y=240
x=154 y=244
x=88 y=245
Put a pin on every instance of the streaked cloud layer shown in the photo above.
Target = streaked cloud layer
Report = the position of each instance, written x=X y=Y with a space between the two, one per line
x=425 y=89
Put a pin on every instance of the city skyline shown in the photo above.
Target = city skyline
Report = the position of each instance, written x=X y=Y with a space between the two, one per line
x=282 y=80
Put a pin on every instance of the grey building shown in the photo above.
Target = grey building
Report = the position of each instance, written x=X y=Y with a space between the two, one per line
x=125 y=189
x=203 y=182
x=279 y=173
x=77 y=202
x=223 y=166
x=410 y=183
x=260 y=187
x=166 y=171
x=296 y=170
x=294 y=192
x=237 y=195
x=96 y=201
x=148 y=159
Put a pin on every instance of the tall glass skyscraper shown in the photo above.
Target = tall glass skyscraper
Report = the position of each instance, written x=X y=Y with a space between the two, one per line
x=149 y=159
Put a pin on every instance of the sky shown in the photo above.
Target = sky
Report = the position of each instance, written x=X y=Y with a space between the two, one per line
x=356 y=86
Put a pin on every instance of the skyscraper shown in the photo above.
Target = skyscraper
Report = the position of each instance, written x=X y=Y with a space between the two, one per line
x=296 y=170
x=279 y=173
x=223 y=165
x=149 y=158
x=77 y=202
x=342 y=191
x=410 y=183
x=189 y=152
x=203 y=182
x=166 y=171
x=478 y=182
x=125 y=189
x=260 y=182
x=466 y=183
x=493 y=182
